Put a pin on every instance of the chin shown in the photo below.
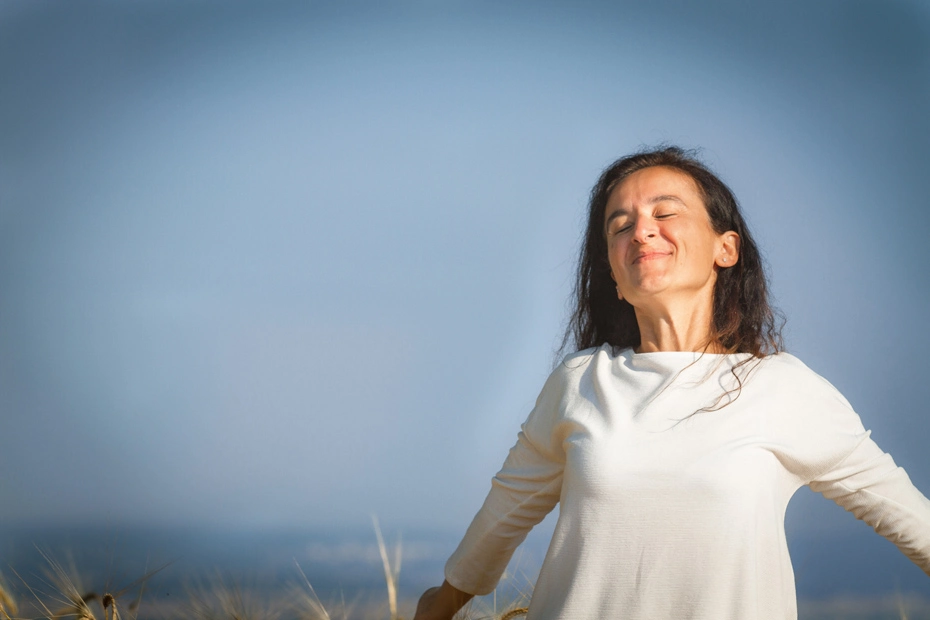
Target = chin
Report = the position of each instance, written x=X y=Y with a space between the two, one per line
x=650 y=286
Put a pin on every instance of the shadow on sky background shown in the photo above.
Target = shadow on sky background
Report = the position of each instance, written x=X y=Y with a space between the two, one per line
x=283 y=266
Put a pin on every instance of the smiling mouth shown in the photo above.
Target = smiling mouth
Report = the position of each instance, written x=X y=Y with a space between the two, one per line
x=650 y=256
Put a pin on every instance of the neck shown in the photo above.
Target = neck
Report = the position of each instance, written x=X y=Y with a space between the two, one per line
x=678 y=326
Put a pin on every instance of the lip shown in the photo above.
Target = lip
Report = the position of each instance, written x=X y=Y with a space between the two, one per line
x=648 y=256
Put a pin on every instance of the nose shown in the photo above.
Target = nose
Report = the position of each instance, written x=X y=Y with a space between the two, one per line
x=644 y=229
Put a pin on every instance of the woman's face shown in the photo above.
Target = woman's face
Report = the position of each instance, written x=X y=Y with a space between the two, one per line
x=660 y=242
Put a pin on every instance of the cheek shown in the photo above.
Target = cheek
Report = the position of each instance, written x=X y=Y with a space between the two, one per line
x=704 y=245
x=617 y=245
x=615 y=253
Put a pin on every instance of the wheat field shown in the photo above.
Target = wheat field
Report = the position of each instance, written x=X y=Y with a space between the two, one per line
x=62 y=591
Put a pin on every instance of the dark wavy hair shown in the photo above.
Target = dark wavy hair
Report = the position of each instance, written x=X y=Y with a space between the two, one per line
x=743 y=319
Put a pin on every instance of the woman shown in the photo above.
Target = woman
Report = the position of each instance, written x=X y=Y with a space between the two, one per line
x=675 y=437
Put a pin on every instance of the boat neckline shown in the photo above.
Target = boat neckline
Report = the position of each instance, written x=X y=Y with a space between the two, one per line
x=632 y=352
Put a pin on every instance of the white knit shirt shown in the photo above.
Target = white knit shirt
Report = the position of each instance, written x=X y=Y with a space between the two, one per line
x=668 y=512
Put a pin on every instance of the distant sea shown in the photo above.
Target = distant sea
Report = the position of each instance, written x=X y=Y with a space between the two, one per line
x=336 y=563
x=347 y=562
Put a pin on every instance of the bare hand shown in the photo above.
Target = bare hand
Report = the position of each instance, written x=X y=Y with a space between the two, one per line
x=441 y=603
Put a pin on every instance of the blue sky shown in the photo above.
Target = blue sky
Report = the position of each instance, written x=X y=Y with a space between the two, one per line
x=293 y=263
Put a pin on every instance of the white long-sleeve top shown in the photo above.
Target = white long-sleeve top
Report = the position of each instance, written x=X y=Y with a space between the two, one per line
x=667 y=511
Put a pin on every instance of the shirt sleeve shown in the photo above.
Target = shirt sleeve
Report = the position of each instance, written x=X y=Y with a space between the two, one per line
x=522 y=493
x=824 y=443
x=872 y=487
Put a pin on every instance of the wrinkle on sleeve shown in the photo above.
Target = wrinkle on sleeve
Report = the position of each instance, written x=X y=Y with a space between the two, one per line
x=872 y=487
x=522 y=493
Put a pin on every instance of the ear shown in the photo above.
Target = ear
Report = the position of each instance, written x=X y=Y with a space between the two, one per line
x=728 y=250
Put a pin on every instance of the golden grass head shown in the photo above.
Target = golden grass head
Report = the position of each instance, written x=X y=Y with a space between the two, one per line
x=8 y=606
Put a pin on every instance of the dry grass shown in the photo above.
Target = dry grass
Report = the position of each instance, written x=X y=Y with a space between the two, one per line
x=391 y=573
x=8 y=606
x=225 y=599
x=495 y=607
x=61 y=595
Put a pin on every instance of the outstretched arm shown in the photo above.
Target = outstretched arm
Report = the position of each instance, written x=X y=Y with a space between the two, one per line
x=868 y=484
x=522 y=493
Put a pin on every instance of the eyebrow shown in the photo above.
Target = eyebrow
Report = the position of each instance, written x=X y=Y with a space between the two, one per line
x=661 y=198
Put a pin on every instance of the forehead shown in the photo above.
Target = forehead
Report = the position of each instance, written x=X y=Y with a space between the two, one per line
x=650 y=183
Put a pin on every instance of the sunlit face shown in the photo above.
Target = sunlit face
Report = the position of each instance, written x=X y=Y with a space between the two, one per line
x=660 y=242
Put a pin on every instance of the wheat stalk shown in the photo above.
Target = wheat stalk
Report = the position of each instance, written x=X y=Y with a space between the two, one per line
x=65 y=593
x=899 y=600
x=312 y=601
x=7 y=602
x=391 y=574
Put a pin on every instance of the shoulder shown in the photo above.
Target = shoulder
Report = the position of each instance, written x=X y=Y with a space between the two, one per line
x=786 y=363
x=796 y=377
x=574 y=370
x=575 y=366
x=803 y=397
x=567 y=373
x=581 y=359
x=811 y=424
